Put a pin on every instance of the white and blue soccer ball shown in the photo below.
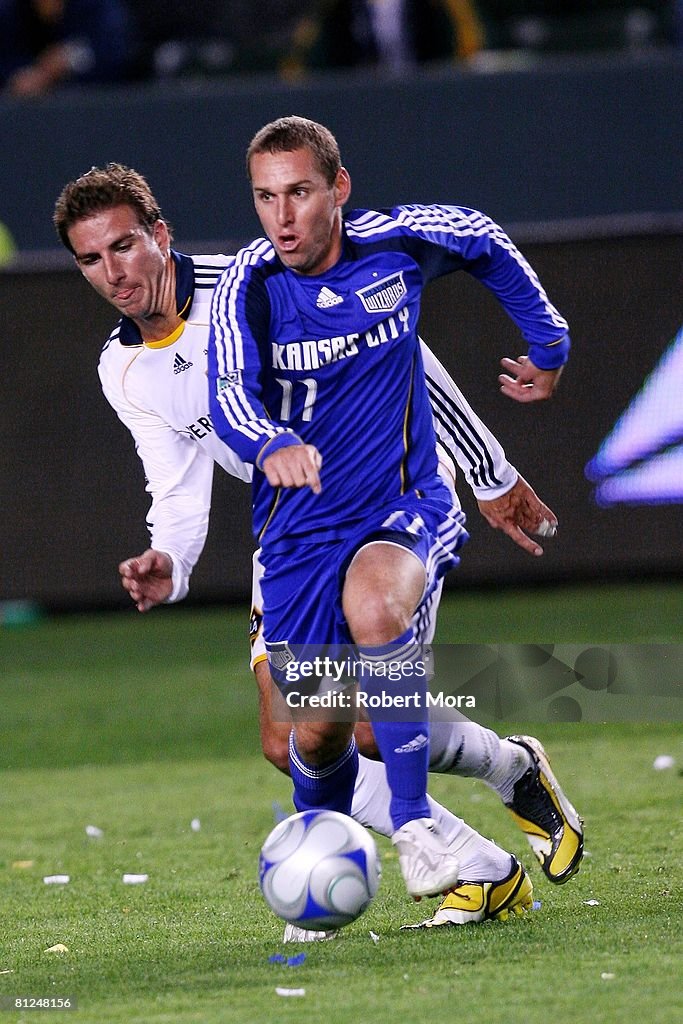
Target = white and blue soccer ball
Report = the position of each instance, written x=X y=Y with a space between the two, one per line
x=319 y=870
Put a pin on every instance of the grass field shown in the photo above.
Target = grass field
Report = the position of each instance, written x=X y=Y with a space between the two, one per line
x=140 y=724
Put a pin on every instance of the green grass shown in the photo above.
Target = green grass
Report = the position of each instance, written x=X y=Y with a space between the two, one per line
x=138 y=724
x=605 y=613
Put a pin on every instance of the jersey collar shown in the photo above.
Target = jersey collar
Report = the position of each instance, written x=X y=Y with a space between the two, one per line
x=184 y=294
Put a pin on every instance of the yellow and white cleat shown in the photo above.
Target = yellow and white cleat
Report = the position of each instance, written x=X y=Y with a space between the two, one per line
x=542 y=811
x=473 y=902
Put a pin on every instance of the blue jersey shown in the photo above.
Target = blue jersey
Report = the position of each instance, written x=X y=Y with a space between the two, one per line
x=333 y=360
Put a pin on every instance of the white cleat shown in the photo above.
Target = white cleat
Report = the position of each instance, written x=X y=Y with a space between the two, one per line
x=295 y=934
x=427 y=865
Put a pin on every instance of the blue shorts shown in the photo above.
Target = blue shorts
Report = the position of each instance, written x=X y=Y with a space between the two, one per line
x=302 y=587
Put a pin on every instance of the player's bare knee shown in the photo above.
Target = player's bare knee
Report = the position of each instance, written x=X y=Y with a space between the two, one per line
x=375 y=613
x=382 y=589
x=379 y=619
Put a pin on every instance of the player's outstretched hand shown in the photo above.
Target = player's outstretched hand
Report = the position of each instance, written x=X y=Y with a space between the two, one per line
x=525 y=382
x=297 y=465
x=518 y=511
x=147 y=578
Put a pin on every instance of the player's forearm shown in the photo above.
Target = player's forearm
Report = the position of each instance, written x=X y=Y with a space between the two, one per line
x=490 y=256
x=233 y=368
x=241 y=423
x=479 y=454
x=179 y=528
x=508 y=479
x=506 y=272
x=464 y=438
x=485 y=465
x=236 y=409
x=255 y=440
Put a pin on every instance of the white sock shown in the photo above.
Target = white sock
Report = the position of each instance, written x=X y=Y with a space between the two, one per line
x=467 y=749
x=480 y=859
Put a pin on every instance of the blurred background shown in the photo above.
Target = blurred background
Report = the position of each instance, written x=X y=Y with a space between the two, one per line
x=562 y=121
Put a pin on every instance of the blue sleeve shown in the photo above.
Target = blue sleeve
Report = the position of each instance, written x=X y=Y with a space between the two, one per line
x=462 y=238
x=240 y=313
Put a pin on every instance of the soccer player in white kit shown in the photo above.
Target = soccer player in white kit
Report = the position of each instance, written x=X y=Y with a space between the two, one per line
x=153 y=370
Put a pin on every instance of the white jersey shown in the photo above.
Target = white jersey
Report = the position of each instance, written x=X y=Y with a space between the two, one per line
x=159 y=391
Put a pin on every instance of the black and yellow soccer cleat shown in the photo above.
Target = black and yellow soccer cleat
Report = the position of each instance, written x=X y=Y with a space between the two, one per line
x=473 y=902
x=545 y=815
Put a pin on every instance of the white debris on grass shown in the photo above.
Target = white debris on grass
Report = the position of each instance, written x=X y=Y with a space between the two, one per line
x=130 y=878
x=57 y=879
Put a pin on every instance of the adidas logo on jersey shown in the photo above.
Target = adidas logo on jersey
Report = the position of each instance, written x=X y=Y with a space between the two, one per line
x=180 y=364
x=327 y=298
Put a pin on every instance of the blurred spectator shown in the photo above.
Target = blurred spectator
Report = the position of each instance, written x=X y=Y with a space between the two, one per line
x=575 y=25
x=44 y=43
x=393 y=34
x=179 y=39
x=266 y=34
x=215 y=37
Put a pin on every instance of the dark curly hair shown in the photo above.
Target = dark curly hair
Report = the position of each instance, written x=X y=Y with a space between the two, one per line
x=102 y=188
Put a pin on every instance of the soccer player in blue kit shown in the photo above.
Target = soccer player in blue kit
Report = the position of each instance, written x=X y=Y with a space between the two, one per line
x=316 y=378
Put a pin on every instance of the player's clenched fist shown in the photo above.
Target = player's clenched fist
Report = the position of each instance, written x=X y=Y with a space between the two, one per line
x=297 y=465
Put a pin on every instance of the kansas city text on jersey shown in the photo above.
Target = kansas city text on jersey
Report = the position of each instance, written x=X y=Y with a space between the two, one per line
x=311 y=355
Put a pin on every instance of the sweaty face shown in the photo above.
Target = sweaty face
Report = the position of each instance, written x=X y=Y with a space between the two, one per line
x=123 y=261
x=298 y=209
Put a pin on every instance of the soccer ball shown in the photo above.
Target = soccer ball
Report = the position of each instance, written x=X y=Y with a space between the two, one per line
x=319 y=870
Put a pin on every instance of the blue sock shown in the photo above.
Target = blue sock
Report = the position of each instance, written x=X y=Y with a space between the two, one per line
x=401 y=733
x=329 y=787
